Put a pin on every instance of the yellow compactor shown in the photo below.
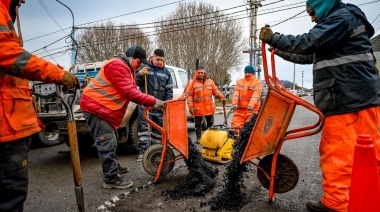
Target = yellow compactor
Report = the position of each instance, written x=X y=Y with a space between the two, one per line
x=217 y=145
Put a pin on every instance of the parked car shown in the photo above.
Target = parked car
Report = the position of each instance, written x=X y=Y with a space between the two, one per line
x=55 y=120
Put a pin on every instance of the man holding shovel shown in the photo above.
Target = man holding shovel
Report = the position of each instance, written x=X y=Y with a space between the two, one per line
x=154 y=79
x=18 y=119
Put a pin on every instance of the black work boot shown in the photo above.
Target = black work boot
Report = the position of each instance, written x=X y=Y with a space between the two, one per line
x=318 y=207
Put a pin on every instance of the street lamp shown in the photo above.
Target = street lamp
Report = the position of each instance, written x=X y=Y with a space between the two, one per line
x=73 y=49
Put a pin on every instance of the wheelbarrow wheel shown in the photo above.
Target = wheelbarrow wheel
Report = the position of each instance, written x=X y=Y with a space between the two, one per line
x=152 y=158
x=286 y=176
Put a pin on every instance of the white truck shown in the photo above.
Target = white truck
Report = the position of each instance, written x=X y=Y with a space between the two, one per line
x=55 y=119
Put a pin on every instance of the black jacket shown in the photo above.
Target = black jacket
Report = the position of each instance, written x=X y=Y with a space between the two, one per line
x=345 y=78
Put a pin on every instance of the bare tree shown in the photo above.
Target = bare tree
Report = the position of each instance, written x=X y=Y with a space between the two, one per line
x=102 y=41
x=200 y=31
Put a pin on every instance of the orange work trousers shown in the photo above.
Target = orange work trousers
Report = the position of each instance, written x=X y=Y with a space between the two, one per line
x=336 y=151
x=240 y=117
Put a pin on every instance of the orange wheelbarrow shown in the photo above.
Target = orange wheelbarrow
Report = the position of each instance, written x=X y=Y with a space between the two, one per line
x=159 y=159
x=276 y=172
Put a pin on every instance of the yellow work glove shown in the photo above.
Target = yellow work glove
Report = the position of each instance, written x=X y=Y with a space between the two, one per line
x=191 y=111
x=144 y=71
x=265 y=33
x=69 y=81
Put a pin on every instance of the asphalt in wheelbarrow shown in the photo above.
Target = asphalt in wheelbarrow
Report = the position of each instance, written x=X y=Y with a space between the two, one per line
x=236 y=189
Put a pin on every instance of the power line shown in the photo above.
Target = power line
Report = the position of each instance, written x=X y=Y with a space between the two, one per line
x=122 y=38
x=193 y=22
x=375 y=18
x=135 y=37
x=43 y=5
x=49 y=44
x=151 y=8
x=289 y=18
x=175 y=19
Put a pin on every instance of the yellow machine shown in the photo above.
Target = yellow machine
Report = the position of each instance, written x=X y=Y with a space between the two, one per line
x=217 y=144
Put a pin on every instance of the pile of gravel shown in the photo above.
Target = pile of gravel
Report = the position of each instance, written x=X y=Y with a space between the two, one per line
x=200 y=179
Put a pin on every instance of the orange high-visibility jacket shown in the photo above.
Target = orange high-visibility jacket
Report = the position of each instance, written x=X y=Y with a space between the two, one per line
x=247 y=93
x=200 y=97
x=108 y=94
x=18 y=118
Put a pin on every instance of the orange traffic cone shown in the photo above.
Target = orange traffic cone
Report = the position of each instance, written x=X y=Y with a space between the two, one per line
x=365 y=186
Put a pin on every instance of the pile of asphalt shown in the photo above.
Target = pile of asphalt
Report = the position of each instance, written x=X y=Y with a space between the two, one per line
x=231 y=196
x=200 y=179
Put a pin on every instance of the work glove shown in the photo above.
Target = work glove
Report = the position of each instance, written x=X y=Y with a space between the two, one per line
x=159 y=105
x=265 y=33
x=69 y=81
x=224 y=101
x=144 y=71
x=191 y=111
x=250 y=108
x=234 y=107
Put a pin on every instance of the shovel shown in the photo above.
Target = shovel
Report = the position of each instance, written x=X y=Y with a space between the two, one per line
x=225 y=115
x=74 y=151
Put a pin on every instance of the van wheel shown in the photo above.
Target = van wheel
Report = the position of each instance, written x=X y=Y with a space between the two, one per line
x=49 y=139
x=133 y=138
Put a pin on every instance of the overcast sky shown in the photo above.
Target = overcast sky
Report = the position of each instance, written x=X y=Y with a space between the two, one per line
x=42 y=17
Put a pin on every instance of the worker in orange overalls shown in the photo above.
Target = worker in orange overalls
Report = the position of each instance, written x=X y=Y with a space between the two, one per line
x=346 y=88
x=200 y=101
x=18 y=119
x=246 y=97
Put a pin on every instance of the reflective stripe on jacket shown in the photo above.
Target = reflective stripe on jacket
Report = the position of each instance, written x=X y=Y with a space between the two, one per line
x=18 y=118
x=108 y=94
x=345 y=78
x=247 y=93
x=200 y=97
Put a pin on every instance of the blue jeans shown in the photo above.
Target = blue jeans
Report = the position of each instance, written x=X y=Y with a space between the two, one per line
x=14 y=174
x=105 y=137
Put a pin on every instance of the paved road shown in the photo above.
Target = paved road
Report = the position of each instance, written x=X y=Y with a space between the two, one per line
x=51 y=186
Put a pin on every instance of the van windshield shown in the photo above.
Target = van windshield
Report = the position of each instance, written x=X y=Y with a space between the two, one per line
x=183 y=77
x=175 y=85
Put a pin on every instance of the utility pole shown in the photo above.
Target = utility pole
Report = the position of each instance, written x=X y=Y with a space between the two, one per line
x=252 y=33
x=253 y=50
x=73 y=45
x=302 y=81
x=294 y=77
